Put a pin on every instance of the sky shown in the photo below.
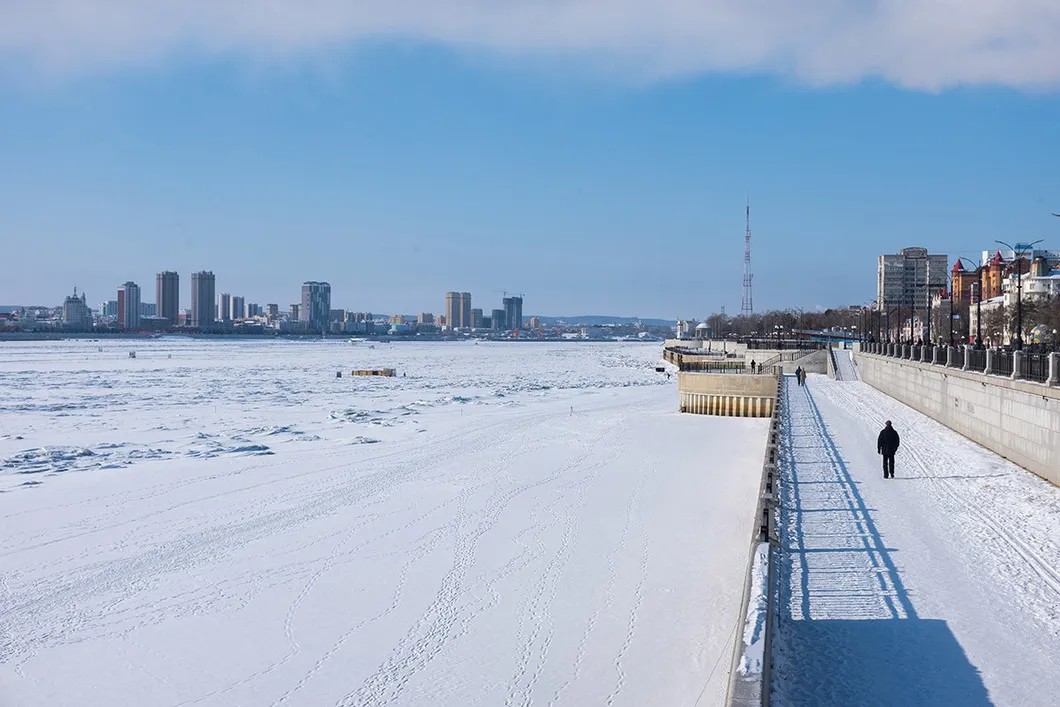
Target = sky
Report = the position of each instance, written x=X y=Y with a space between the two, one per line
x=595 y=156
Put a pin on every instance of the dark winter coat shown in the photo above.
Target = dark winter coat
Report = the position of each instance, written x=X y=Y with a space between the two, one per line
x=887 y=442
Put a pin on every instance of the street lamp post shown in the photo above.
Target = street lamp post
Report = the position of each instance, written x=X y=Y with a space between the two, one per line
x=1016 y=258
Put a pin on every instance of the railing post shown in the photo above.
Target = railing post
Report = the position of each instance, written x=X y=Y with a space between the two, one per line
x=1054 y=369
x=924 y=353
x=989 y=361
x=934 y=355
x=1017 y=365
x=950 y=352
x=967 y=357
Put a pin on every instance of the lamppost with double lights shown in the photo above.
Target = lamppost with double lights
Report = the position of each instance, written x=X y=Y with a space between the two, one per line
x=1016 y=258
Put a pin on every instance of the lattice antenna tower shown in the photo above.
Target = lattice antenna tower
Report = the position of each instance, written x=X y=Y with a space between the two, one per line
x=747 y=306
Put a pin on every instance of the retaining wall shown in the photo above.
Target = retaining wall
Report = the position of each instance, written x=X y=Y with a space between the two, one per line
x=728 y=394
x=1019 y=420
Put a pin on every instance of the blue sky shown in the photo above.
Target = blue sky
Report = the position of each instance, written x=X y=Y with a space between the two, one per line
x=400 y=168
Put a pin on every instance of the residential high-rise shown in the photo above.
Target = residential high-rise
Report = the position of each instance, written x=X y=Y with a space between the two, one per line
x=167 y=296
x=476 y=318
x=253 y=310
x=239 y=308
x=224 y=307
x=295 y=313
x=452 y=310
x=907 y=280
x=513 y=313
x=465 y=310
x=497 y=320
x=203 y=287
x=272 y=311
x=316 y=305
x=129 y=303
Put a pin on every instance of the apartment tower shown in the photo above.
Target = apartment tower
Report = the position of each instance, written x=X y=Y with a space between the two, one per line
x=203 y=288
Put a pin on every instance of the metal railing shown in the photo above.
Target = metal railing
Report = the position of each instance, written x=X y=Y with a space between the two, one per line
x=1033 y=366
x=1002 y=363
x=958 y=357
x=749 y=690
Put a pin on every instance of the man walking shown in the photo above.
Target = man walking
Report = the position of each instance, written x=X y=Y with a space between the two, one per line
x=887 y=445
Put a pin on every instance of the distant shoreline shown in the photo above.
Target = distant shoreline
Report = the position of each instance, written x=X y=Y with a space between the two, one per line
x=15 y=337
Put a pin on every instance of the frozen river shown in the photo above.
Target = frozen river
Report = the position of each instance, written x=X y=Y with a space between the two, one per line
x=228 y=523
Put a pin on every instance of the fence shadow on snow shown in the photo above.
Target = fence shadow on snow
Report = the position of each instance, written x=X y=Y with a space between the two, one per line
x=847 y=631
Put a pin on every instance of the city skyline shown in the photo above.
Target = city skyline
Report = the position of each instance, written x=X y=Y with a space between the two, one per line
x=591 y=174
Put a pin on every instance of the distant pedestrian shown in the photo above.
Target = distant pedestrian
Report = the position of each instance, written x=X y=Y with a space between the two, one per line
x=798 y=375
x=887 y=445
x=752 y=365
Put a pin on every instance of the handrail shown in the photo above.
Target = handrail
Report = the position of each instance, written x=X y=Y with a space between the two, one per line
x=747 y=691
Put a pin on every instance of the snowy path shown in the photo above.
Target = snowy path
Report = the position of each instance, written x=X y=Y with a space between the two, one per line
x=940 y=586
x=845 y=368
x=514 y=544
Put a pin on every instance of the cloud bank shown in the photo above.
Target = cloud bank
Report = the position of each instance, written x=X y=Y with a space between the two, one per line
x=918 y=44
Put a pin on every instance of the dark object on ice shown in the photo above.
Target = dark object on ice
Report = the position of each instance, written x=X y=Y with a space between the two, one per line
x=338 y=374
x=887 y=445
x=660 y=369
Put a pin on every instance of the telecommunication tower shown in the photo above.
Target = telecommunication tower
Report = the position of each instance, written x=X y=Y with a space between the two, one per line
x=747 y=306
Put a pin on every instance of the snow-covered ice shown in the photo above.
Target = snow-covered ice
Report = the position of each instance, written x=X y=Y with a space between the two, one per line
x=940 y=586
x=228 y=523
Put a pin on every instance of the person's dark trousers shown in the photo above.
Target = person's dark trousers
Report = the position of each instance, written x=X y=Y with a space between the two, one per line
x=888 y=466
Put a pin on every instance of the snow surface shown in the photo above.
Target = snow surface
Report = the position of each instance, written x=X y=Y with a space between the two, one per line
x=846 y=369
x=228 y=523
x=940 y=586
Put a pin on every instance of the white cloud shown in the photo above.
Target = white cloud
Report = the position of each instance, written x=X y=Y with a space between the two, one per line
x=921 y=44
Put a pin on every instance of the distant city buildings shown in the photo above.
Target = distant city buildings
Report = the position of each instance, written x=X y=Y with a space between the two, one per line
x=167 y=296
x=224 y=307
x=513 y=312
x=129 y=306
x=316 y=305
x=203 y=286
x=239 y=308
x=497 y=322
x=76 y=312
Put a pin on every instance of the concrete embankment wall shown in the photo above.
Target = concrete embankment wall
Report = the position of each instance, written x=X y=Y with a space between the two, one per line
x=730 y=394
x=1019 y=420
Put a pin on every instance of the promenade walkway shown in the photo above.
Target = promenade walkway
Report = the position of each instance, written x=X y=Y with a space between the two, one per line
x=941 y=586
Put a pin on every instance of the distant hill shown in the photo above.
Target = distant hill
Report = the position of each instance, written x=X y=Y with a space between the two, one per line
x=602 y=320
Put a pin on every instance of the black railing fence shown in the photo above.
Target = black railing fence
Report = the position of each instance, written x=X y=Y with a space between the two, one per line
x=1033 y=366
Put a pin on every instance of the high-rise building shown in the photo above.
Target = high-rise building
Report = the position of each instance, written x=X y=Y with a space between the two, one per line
x=224 y=307
x=497 y=320
x=239 y=308
x=129 y=304
x=109 y=308
x=76 y=314
x=167 y=296
x=425 y=318
x=476 y=318
x=272 y=311
x=203 y=288
x=253 y=310
x=905 y=283
x=148 y=309
x=295 y=313
x=513 y=313
x=465 y=310
x=452 y=309
x=906 y=278
x=316 y=305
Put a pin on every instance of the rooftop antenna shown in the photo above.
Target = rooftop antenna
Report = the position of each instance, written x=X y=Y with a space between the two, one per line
x=747 y=306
